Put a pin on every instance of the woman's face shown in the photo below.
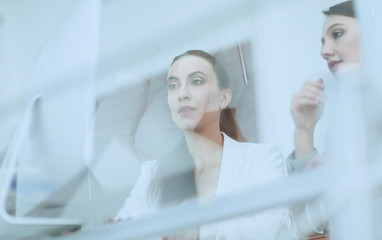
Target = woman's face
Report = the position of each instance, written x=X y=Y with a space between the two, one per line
x=194 y=97
x=340 y=46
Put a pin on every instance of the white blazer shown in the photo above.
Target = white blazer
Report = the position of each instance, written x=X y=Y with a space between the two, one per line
x=244 y=166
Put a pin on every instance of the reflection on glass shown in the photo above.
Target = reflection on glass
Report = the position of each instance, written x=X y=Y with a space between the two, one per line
x=207 y=162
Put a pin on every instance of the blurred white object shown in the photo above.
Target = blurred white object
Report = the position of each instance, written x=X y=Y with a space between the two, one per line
x=117 y=167
x=50 y=144
x=63 y=74
x=23 y=226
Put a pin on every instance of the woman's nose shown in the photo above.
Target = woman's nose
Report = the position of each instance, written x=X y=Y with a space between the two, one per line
x=183 y=93
x=183 y=98
x=327 y=51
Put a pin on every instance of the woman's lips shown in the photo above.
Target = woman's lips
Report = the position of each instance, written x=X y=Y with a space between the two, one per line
x=186 y=110
x=333 y=65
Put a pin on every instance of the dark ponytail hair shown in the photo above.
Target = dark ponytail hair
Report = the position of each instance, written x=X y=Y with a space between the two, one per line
x=343 y=9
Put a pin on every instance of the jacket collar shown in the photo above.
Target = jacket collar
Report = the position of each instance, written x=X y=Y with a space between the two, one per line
x=230 y=166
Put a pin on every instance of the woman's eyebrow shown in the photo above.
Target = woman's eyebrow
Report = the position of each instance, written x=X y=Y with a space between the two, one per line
x=171 y=78
x=195 y=73
x=334 y=25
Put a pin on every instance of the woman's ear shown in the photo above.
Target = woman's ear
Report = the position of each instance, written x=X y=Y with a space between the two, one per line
x=225 y=98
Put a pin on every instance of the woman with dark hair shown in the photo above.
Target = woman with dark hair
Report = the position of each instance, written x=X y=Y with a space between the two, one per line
x=340 y=48
x=208 y=162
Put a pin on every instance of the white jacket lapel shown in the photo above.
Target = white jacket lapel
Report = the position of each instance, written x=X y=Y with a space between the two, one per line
x=230 y=166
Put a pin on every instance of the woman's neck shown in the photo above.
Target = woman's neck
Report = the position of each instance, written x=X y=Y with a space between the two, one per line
x=204 y=145
x=210 y=133
x=206 y=150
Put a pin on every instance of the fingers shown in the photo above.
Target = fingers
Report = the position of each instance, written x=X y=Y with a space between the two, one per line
x=319 y=83
x=308 y=97
x=311 y=93
x=304 y=101
x=315 y=87
x=313 y=90
x=308 y=104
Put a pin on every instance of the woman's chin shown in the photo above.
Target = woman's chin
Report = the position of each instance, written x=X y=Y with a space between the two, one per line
x=186 y=127
x=346 y=69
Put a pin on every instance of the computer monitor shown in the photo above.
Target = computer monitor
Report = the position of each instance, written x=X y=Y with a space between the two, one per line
x=53 y=149
x=59 y=141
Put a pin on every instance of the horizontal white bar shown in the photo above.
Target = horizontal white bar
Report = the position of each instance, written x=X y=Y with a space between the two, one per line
x=298 y=188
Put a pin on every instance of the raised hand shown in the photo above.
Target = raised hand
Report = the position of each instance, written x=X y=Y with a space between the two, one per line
x=306 y=108
x=307 y=105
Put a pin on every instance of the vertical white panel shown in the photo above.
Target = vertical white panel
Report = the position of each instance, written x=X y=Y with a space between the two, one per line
x=63 y=74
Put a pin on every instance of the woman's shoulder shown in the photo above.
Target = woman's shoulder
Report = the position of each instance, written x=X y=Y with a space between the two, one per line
x=149 y=167
x=254 y=150
x=268 y=156
x=149 y=164
x=260 y=149
x=262 y=163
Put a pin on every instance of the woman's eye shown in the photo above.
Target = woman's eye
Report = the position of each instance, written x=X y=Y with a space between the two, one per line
x=197 y=82
x=337 y=34
x=172 y=86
